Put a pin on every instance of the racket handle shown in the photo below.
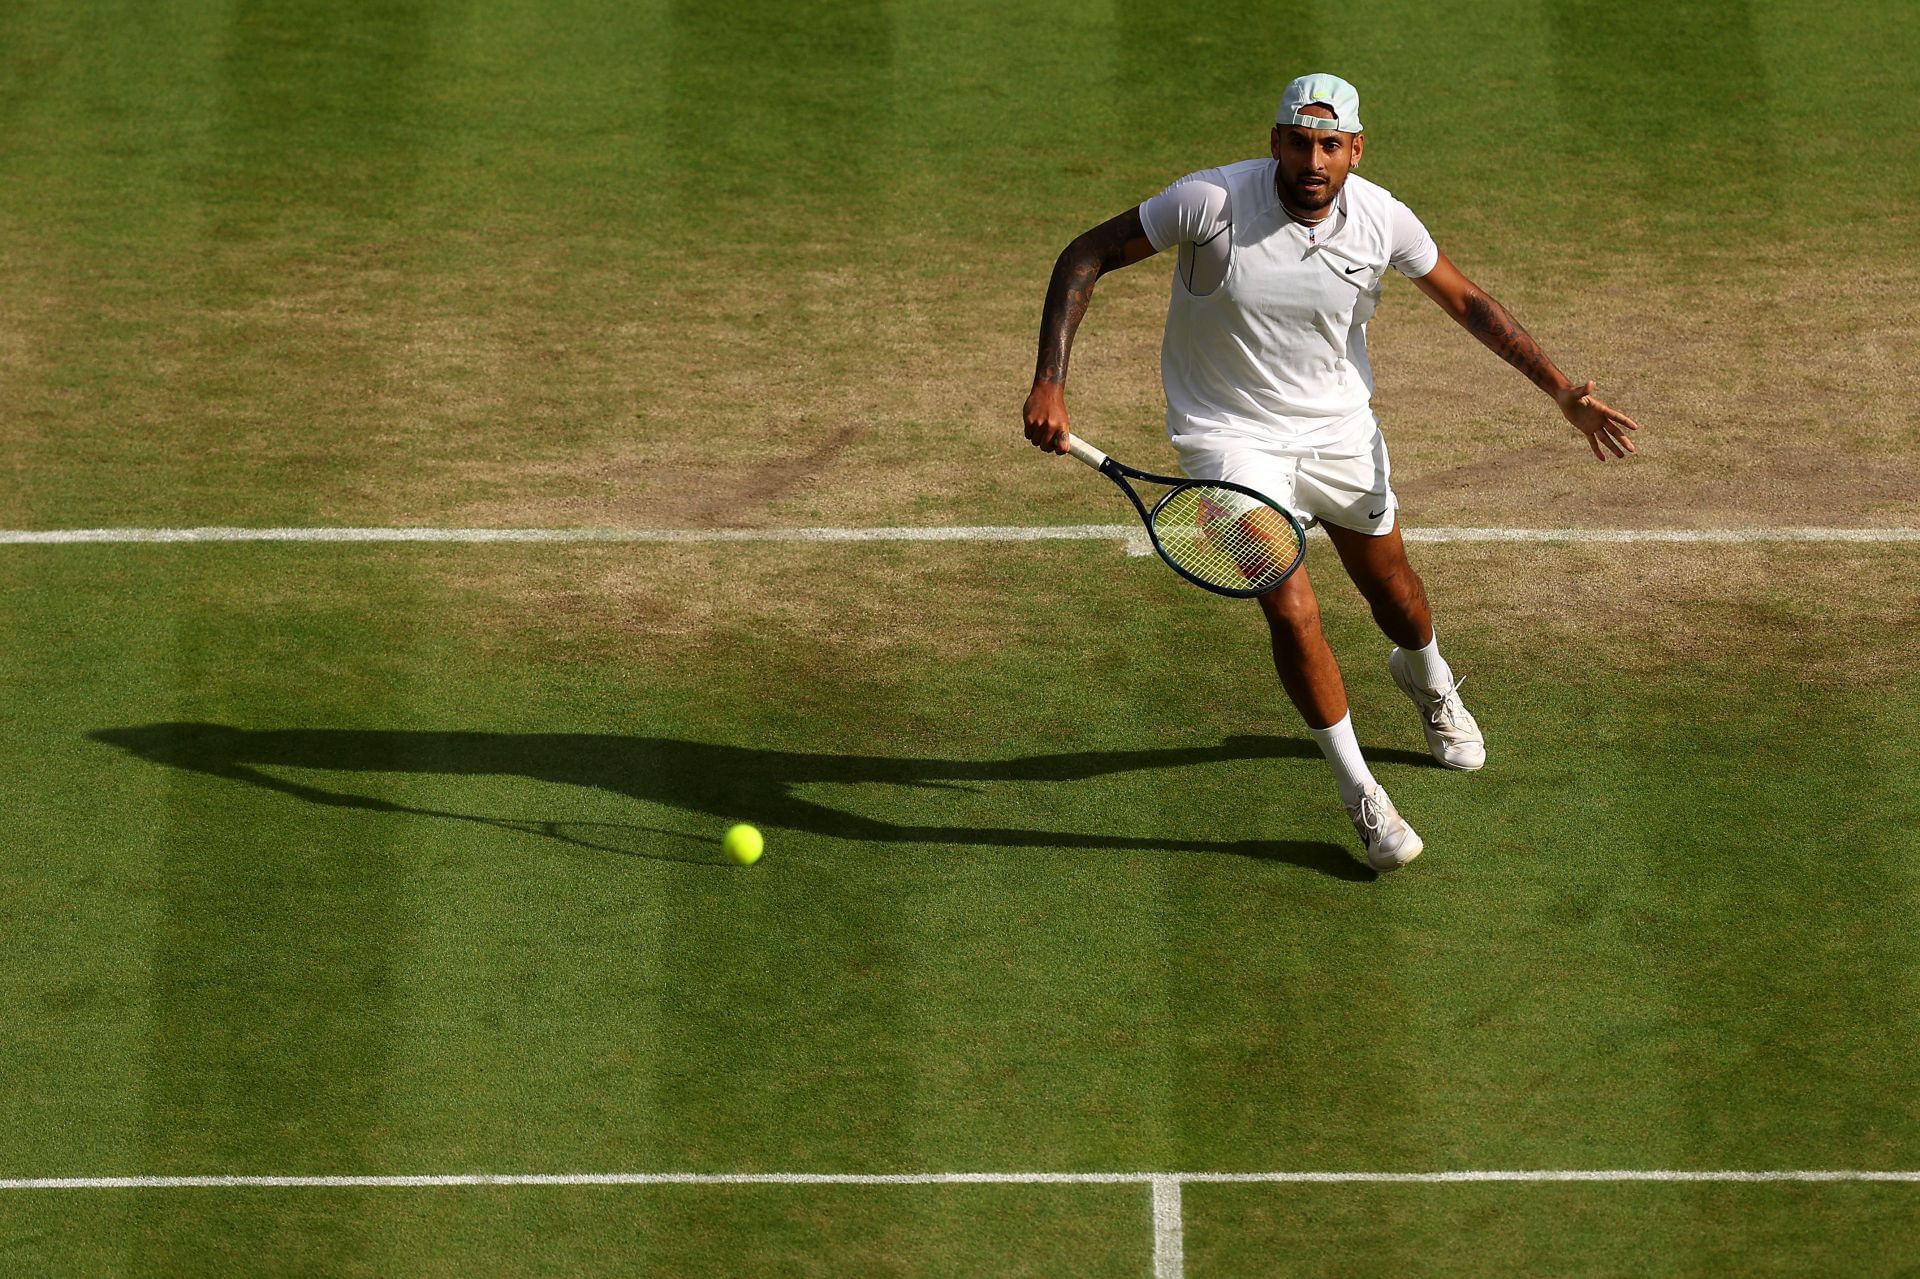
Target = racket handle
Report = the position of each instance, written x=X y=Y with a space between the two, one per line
x=1086 y=452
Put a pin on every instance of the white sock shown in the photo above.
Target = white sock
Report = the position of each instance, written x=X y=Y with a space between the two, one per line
x=1342 y=750
x=1429 y=669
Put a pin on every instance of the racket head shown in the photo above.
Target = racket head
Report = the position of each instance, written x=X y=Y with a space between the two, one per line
x=1226 y=538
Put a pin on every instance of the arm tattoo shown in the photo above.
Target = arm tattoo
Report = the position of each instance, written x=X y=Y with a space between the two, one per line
x=1107 y=247
x=1487 y=320
x=1067 y=296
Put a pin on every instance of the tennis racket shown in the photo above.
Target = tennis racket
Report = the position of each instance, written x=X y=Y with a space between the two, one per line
x=1223 y=537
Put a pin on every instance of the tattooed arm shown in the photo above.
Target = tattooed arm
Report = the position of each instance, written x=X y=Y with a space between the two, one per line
x=1117 y=242
x=1500 y=333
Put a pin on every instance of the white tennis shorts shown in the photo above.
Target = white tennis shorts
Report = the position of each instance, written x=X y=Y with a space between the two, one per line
x=1339 y=486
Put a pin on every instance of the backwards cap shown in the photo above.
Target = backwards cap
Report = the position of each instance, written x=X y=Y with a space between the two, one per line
x=1323 y=90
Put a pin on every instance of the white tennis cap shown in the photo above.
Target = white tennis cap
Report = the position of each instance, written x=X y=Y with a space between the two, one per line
x=1323 y=90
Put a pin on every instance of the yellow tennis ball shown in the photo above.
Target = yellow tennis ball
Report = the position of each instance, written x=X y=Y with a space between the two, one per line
x=743 y=844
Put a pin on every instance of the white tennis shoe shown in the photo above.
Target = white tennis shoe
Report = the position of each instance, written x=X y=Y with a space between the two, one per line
x=1390 y=842
x=1453 y=736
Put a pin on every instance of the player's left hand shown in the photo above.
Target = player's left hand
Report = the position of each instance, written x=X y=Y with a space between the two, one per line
x=1600 y=423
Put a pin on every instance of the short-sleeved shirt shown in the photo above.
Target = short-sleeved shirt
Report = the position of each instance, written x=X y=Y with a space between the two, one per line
x=1267 y=324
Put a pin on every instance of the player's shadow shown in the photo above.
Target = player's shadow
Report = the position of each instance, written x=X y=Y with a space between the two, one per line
x=726 y=783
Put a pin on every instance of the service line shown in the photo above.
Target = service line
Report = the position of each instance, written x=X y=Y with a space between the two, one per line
x=1131 y=535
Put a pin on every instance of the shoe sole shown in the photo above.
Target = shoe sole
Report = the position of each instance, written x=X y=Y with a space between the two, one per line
x=1405 y=685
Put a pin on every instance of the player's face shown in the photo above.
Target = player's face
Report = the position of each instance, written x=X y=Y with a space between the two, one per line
x=1314 y=163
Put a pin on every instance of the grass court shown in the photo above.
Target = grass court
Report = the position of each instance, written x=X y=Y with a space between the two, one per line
x=380 y=860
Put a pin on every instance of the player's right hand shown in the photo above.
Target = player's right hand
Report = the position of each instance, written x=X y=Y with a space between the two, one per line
x=1046 y=417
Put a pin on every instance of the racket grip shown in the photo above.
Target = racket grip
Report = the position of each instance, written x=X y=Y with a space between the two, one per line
x=1085 y=452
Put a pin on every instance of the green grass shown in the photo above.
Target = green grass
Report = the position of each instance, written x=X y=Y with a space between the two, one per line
x=335 y=866
x=1023 y=1231
x=1639 y=1230
x=366 y=859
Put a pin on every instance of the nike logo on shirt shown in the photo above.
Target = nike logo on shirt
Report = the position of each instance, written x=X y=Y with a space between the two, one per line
x=1352 y=269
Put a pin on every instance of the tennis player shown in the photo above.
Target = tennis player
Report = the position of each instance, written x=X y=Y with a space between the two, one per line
x=1281 y=263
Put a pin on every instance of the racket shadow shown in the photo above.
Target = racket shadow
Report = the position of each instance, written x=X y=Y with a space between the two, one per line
x=721 y=782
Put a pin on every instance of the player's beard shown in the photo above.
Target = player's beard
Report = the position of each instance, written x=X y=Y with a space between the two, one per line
x=1312 y=202
x=1312 y=199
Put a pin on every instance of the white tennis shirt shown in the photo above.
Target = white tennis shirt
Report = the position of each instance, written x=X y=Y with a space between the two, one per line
x=1267 y=326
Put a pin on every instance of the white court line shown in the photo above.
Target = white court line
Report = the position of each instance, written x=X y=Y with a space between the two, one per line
x=1169 y=1231
x=324 y=1181
x=958 y=533
x=1130 y=534
x=424 y=1180
x=1708 y=535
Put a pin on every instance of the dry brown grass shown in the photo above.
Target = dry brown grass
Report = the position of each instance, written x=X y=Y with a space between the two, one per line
x=1775 y=392
x=1823 y=614
x=1771 y=390
x=1827 y=614
x=581 y=384
x=865 y=604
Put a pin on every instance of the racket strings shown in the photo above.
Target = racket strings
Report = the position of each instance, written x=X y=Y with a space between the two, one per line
x=1227 y=538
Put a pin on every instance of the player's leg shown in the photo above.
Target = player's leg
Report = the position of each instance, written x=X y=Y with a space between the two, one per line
x=1350 y=492
x=1379 y=567
x=1301 y=655
x=1307 y=670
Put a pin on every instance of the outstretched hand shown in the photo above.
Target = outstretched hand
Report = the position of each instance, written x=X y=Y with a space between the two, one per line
x=1045 y=417
x=1600 y=423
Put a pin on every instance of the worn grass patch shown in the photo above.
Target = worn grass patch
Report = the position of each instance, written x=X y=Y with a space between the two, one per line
x=899 y=602
x=1823 y=616
x=1828 y=613
x=538 y=273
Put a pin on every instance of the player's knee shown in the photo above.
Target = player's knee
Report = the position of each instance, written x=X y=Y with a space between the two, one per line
x=1399 y=594
x=1292 y=616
